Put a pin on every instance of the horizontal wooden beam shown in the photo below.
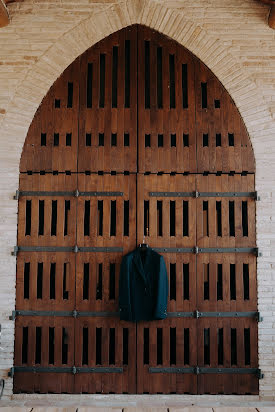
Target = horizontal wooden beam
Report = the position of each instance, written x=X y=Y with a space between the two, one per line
x=4 y=15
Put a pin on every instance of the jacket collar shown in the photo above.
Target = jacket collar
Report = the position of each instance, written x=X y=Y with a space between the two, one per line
x=138 y=262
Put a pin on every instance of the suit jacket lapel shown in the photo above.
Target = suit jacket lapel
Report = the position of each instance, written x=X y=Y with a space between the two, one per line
x=138 y=263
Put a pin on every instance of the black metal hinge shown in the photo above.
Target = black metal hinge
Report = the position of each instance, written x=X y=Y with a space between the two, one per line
x=196 y=194
x=72 y=369
x=198 y=370
x=76 y=193
x=197 y=250
x=75 y=249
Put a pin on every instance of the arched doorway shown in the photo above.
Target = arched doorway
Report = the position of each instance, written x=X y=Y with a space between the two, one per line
x=136 y=141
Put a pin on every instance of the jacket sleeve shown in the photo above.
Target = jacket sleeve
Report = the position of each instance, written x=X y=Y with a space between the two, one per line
x=124 y=290
x=162 y=292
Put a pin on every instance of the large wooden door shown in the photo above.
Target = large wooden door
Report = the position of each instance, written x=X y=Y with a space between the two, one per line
x=136 y=141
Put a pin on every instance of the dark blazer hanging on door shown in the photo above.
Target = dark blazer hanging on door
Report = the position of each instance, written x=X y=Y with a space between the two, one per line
x=143 y=286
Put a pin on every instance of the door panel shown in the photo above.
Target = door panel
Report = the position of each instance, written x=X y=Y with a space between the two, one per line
x=165 y=344
x=106 y=343
x=164 y=220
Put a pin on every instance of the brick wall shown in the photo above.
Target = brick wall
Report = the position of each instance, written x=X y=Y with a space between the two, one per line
x=230 y=36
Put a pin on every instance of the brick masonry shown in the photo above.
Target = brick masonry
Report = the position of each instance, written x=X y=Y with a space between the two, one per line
x=230 y=36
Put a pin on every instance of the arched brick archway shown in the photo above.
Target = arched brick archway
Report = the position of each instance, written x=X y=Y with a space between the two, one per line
x=38 y=80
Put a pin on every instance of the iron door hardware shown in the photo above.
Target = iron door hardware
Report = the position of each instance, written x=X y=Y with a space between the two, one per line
x=74 y=249
x=197 y=250
x=195 y=314
x=72 y=369
x=195 y=194
x=75 y=193
x=198 y=370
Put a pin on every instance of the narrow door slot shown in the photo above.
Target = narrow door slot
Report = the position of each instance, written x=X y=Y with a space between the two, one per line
x=172 y=81
x=57 y=103
x=146 y=218
x=125 y=345
x=159 y=77
x=39 y=280
x=147 y=74
x=68 y=139
x=100 y=217
x=99 y=283
x=159 y=346
x=232 y=281
x=43 y=139
x=247 y=346
x=65 y=280
x=27 y=280
x=244 y=218
x=173 y=281
x=147 y=140
x=64 y=346
x=185 y=218
x=146 y=346
x=90 y=85
x=112 y=347
x=205 y=139
x=112 y=281
x=126 y=218
x=233 y=346
x=25 y=339
x=159 y=217
x=28 y=217
x=86 y=280
x=54 y=218
x=219 y=217
x=66 y=216
x=204 y=95
x=172 y=218
x=218 y=139
x=160 y=140
x=220 y=346
x=113 y=139
x=185 y=140
x=102 y=81
x=87 y=218
x=217 y=104
x=38 y=336
x=113 y=218
x=126 y=139
x=88 y=139
x=230 y=139
x=51 y=346
x=114 y=76
x=173 y=346
x=186 y=342
x=206 y=345
x=98 y=345
x=185 y=271
x=41 y=217
x=219 y=282
x=205 y=218
x=52 y=280
x=127 y=73
x=101 y=139
x=206 y=281
x=246 y=281
x=231 y=218
x=56 y=139
x=184 y=86
x=70 y=95
x=85 y=345
x=173 y=140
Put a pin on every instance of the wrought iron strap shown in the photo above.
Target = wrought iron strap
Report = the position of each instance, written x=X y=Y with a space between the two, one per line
x=202 y=370
x=75 y=193
x=61 y=369
x=197 y=250
x=204 y=194
x=75 y=249
x=195 y=314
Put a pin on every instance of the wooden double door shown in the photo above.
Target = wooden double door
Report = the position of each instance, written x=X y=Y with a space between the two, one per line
x=136 y=141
